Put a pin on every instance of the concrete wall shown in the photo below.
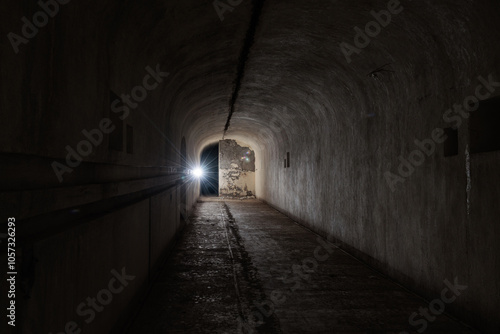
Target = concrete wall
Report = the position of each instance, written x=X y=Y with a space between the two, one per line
x=115 y=209
x=70 y=269
x=346 y=129
x=236 y=169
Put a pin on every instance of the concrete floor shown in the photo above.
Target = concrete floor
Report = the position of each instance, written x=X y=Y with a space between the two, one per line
x=243 y=267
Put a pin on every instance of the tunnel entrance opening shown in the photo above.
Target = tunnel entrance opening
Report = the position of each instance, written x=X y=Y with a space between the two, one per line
x=209 y=183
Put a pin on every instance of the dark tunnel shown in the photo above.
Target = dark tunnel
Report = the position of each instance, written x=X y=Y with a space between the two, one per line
x=350 y=154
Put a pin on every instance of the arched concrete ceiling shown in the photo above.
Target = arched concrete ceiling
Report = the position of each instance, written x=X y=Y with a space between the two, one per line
x=297 y=81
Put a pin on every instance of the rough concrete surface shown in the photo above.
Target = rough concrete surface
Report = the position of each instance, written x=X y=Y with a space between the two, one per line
x=243 y=267
x=236 y=169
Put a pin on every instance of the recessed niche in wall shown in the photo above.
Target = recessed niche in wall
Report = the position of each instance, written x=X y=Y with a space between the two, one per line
x=288 y=159
x=116 y=136
x=484 y=127
x=451 y=142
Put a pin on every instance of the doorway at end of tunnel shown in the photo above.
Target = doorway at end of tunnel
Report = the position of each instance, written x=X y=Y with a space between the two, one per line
x=209 y=183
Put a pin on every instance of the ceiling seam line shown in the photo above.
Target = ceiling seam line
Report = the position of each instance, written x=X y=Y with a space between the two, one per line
x=245 y=51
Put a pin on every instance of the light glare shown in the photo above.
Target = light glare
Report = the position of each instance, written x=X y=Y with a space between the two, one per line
x=198 y=172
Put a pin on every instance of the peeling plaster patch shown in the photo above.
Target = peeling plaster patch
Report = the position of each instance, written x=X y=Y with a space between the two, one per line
x=234 y=156
x=236 y=169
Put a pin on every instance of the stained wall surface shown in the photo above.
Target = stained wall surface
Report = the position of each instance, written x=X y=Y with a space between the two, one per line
x=236 y=170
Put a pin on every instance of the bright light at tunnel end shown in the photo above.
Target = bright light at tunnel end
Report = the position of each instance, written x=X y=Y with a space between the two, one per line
x=197 y=172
